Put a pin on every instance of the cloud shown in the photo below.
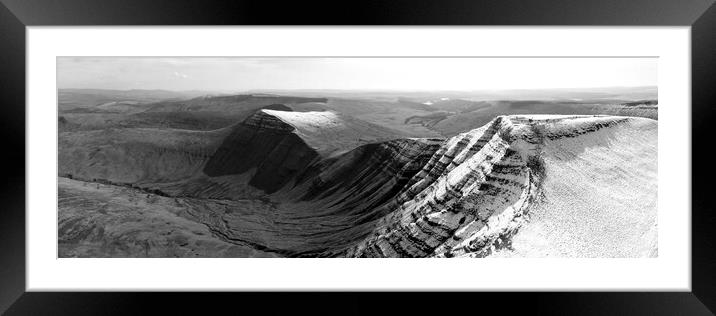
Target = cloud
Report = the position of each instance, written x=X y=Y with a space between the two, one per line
x=180 y=75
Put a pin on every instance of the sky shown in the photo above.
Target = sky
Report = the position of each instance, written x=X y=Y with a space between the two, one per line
x=413 y=74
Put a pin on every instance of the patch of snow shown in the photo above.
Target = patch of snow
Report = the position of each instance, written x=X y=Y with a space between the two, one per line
x=308 y=121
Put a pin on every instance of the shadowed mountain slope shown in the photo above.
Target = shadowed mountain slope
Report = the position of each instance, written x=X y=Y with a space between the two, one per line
x=278 y=145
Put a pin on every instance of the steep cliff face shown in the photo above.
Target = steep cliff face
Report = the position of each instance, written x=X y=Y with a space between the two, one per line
x=476 y=192
x=471 y=192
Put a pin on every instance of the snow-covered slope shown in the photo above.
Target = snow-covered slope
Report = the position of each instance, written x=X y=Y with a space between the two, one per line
x=600 y=195
x=590 y=182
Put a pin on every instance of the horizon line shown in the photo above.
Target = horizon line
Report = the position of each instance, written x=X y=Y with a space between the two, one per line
x=365 y=89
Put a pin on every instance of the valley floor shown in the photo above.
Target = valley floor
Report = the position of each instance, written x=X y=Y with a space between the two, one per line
x=103 y=220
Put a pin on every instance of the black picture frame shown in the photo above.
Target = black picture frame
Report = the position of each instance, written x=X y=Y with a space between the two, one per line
x=15 y=15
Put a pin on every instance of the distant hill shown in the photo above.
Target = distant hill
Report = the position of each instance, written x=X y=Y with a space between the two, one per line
x=231 y=104
x=69 y=99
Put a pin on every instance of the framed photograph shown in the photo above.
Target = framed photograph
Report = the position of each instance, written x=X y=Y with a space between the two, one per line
x=540 y=153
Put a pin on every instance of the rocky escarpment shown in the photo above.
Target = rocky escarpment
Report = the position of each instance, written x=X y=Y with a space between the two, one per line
x=475 y=178
x=476 y=191
x=464 y=196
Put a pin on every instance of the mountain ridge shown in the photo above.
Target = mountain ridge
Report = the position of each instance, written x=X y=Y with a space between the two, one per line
x=467 y=195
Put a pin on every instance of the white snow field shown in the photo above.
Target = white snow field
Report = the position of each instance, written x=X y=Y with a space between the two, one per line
x=331 y=133
x=600 y=196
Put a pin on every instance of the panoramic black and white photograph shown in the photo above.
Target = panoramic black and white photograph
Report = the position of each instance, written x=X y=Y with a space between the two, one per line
x=357 y=157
